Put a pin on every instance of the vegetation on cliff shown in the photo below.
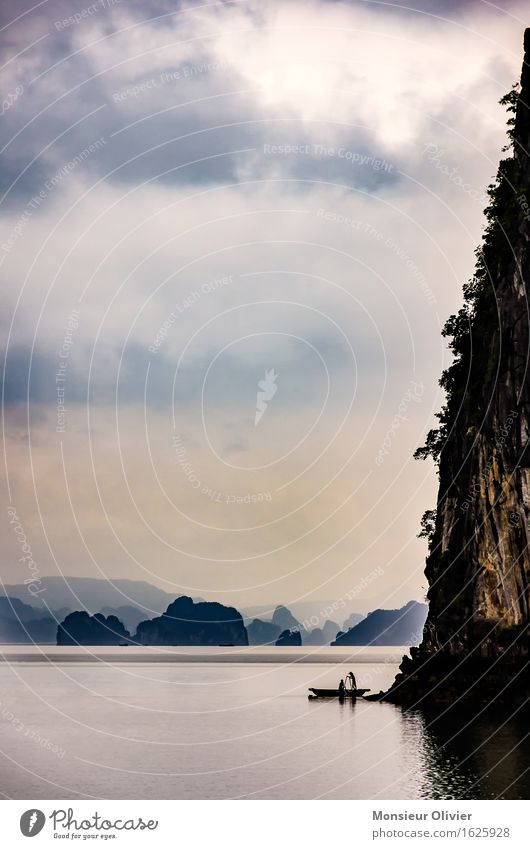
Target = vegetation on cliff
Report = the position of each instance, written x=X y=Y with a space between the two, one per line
x=470 y=330
x=478 y=566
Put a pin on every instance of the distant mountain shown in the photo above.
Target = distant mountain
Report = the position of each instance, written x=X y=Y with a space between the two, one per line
x=81 y=629
x=330 y=630
x=37 y=631
x=61 y=613
x=22 y=623
x=93 y=594
x=14 y=608
x=352 y=620
x=129 y=615
x=284 y=619
x=314 y=638
x=261 y=633
x=188 y=624
x=322 y=636
x=310 y=612
x=289 y=638
x=401 y=627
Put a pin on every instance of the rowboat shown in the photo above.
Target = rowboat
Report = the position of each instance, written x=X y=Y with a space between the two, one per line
x=350 y=690
x=334 y=694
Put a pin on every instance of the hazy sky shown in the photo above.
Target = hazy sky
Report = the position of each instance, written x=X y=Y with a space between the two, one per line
x=199 y=198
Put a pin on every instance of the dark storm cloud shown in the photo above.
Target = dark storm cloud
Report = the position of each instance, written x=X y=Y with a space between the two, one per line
x=138 y=144
x=69 y=100
x=180 y=123
x=183 y=149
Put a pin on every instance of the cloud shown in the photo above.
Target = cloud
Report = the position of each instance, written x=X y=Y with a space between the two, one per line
x=175 y=96
x=294 y=186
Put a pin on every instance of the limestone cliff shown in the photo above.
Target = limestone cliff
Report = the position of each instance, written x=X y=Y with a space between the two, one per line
x=81 y=629
x=189 y=623
x=475 y=642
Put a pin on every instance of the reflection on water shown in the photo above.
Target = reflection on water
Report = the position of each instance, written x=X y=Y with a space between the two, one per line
x=464 y=756
x=244 y=729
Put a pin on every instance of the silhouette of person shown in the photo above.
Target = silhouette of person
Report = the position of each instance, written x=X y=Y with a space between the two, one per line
x=342 y=689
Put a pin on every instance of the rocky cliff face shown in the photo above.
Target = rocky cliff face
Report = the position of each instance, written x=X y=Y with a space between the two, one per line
x=476 y=635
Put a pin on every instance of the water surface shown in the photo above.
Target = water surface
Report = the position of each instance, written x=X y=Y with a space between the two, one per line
x=233 y=723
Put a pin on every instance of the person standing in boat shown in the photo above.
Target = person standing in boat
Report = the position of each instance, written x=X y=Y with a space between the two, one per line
x=342 y=689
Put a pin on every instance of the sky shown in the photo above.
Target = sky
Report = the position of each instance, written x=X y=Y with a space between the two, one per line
x=230 y=235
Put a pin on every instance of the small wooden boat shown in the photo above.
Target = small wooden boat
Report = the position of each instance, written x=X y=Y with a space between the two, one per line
x=350 y=691
x=334 y=694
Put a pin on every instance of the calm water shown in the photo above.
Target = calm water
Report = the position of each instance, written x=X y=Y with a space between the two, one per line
x=175 y=724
